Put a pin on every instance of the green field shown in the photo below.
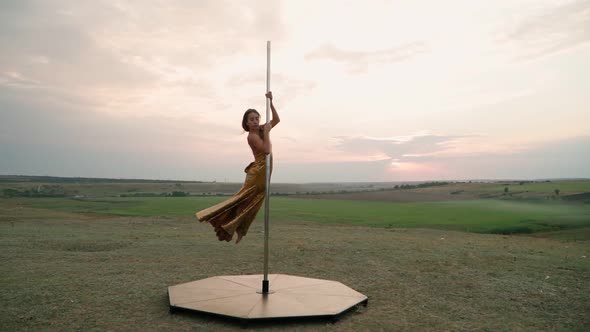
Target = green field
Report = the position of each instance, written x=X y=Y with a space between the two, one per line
x=482 y=216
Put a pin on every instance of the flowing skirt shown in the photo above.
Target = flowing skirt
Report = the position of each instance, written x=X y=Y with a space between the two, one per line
x=236 y=214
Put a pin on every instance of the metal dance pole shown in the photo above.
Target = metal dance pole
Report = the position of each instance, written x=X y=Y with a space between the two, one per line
x=266 y=202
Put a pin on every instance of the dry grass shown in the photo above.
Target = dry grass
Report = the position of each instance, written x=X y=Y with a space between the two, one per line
x=66 y=271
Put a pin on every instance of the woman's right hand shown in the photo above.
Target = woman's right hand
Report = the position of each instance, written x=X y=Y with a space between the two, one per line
x=266 y=128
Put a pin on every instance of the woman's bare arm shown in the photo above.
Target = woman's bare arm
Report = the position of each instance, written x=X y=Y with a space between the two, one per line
x=259 y=144
x=275 y=116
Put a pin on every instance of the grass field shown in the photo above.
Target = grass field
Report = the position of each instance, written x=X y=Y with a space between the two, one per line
x=482 y=216
x=69 y=271
x=105 y=262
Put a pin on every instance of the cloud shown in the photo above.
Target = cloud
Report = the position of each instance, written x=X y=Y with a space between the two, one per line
x=131 y=82
x=129 y=55
x=396 y=148
x=16 y=79
x=359 y=61
x=195 y=34
x=61 y=50
x=289 y=87
x=565 y=158
x=550 y=29
x=51 y=136
x=357 y=171
x=110 y=88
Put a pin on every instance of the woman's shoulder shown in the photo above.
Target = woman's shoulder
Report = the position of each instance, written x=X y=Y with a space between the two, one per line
x=252 y=136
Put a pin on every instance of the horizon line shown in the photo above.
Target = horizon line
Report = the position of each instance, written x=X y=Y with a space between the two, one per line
x=314 y=182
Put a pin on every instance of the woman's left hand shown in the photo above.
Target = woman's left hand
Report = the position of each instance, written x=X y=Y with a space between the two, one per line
x=269 y=95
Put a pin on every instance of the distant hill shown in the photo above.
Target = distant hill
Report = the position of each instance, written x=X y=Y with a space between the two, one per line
x=57 y=179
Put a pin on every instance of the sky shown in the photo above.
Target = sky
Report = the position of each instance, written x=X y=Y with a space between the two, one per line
x=367 y=91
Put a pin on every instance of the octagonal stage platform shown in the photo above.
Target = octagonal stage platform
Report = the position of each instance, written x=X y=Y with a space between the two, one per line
x=289 y=296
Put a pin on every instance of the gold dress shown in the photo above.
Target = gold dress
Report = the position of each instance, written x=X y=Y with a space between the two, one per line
x=235 y=214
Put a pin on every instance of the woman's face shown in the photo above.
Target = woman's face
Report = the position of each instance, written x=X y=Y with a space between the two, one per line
x=253 y=121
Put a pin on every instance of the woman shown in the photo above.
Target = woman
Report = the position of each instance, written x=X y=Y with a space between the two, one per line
x=237 y=213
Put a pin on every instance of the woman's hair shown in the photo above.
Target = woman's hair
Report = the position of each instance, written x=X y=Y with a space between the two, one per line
x=245 y=118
